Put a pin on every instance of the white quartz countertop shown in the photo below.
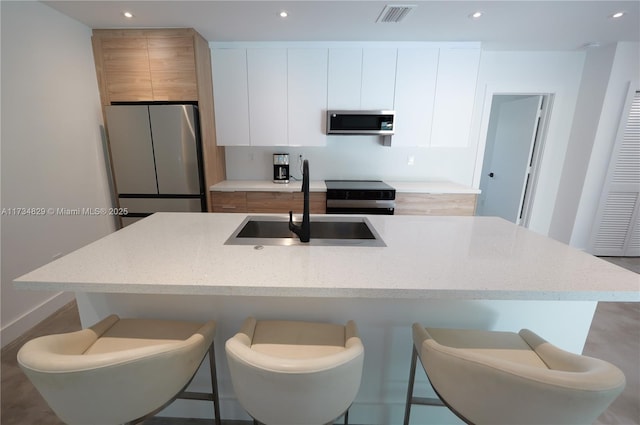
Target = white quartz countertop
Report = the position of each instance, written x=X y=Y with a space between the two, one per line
x=425 y=257
x=436 y=187
x=266 y=186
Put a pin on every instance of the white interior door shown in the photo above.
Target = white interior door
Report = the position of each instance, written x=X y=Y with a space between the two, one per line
x=617 y=225
x=507 y=162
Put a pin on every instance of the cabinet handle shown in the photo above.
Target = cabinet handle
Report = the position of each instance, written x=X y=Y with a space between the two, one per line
x=491 y=175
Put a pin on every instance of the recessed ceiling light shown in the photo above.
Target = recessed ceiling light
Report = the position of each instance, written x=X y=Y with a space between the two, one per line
x=617 y=15
x=283 y=14
x=128 y=15
x=476 y=15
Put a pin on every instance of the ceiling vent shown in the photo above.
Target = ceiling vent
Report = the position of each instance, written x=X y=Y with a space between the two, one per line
x=395 y=12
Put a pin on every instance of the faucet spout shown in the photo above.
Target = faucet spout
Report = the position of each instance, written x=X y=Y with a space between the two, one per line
x=304 y=230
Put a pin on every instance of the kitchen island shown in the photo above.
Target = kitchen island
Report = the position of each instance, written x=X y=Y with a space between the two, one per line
x=477 y=272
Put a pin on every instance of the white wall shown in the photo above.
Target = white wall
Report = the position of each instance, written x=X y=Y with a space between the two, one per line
x=357 y=157
x=556 y=73
x=625 y=74
x=51 y=151
x=595 y=77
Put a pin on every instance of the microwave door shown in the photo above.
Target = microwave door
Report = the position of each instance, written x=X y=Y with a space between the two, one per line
x=175 y=144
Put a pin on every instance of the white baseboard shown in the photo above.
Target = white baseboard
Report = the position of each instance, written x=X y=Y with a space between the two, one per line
x=34 y=316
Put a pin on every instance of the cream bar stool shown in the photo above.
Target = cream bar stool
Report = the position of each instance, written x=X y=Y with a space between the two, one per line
x=119 y=370
x=295 y=373
x=488 y=377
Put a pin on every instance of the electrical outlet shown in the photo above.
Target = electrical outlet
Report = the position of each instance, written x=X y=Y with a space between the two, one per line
x=410 y=160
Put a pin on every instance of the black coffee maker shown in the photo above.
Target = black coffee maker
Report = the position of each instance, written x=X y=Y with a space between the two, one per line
x=281 y=168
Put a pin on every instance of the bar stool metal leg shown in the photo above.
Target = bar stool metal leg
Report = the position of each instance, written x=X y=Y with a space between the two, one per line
x=424 y=401
x=412 y=378
x=214 y=385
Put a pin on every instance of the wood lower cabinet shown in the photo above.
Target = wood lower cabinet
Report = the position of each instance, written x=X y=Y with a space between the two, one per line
x=267 y=202
x=229 y=202
x=435 y=204
x=283 y=202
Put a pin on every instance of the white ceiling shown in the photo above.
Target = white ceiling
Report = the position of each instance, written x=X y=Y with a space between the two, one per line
x=520 y=25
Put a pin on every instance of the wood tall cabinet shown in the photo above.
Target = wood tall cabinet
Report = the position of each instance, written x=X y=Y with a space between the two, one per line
x=173 y=65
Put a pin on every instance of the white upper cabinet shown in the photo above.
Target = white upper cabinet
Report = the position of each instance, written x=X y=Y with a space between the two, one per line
x=273 y=96
x=378 y=78
x=231 y=96
x=361 y=78
x=345 y=78
x=455 y=95
x=307 y=96
x=270 y=96
x=415 y=91
x=267 y=76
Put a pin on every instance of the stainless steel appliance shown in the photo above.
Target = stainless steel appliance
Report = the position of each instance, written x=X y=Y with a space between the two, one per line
x=360 y=122
x=281 y=168
x=360 y=197
x=156 y=158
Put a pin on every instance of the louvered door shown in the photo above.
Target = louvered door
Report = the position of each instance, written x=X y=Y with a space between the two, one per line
x=617 y=225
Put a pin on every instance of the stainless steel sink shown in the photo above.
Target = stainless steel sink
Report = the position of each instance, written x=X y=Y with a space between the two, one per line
x=325 y=231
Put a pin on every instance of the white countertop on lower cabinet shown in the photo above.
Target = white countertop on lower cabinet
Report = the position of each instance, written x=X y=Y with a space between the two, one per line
x=266 y=186
x=425 y=257
x=434 y=187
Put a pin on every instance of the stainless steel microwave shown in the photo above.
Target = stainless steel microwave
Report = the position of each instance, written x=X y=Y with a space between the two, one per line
x=360 y=122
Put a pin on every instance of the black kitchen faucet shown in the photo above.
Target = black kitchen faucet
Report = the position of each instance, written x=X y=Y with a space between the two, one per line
x=304 y=230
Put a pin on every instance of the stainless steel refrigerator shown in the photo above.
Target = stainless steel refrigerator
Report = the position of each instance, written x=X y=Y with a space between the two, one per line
x=156 y=158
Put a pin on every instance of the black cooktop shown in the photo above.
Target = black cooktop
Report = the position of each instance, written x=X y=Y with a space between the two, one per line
x=357 y=185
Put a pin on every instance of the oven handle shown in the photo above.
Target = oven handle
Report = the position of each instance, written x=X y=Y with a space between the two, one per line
x=360 y=203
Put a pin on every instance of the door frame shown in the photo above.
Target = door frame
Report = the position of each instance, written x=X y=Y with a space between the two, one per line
x=538 y=146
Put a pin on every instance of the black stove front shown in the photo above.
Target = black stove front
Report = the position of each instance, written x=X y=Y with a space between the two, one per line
x=360 y=197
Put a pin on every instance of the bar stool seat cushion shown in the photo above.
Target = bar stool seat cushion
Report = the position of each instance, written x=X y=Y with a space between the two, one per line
x=506 y=378
x=298 y=340
x=293 y=372
x=116 y=371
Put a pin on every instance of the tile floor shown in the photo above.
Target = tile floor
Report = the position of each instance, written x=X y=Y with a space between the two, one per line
x=614 y=336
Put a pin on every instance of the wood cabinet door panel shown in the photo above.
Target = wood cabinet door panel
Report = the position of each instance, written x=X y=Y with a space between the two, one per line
x=269 y=202
x=229 y=202
x=435 y=204
x=126 y=68
x=173 y=68
x=118 y=44
x=317 y=202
